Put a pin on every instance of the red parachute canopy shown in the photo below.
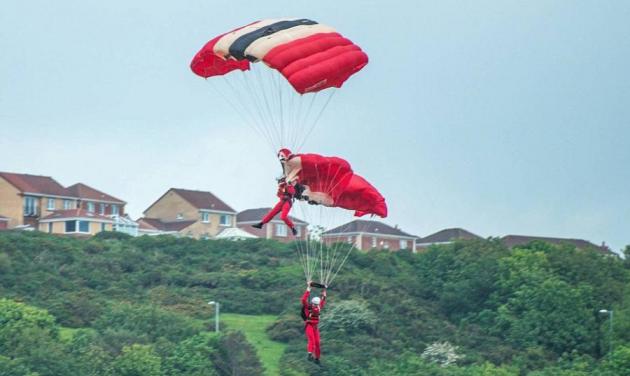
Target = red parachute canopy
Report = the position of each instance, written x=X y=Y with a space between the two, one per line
x=330 y=181
x=311 y=56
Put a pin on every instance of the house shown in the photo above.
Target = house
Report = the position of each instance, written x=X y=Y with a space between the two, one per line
x=370 y=234
x=184 y=212
x=445 y=236
x=40 y=203
x=275 y=229
x=512 y=241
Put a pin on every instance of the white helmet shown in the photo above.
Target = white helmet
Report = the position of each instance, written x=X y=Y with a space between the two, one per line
x=315 y=300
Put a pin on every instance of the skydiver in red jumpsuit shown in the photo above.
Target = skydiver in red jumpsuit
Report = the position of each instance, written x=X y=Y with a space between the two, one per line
x=286 y=193
x=311 y=312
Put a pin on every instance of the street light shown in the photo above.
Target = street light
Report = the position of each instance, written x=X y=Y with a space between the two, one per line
x=610 y=331
x=216 y=315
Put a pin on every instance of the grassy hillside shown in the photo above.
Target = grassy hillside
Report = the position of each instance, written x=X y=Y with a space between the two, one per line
x=113 y=305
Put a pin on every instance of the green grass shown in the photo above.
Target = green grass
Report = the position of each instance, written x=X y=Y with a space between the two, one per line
x=254 y=327
x=66 y=334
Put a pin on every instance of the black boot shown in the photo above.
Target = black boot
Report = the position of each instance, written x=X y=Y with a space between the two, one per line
x=310 y=357
x=294 y=231
x=317 y=361
x=258 y=225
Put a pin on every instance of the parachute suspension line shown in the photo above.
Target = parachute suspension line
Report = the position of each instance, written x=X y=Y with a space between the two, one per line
x=260 y=91
x=243 y=111
x=319 y=115
x=252 y=106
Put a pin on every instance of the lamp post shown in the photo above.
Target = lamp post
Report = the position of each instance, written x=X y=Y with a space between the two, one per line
x=216 y=315
x=610 y=331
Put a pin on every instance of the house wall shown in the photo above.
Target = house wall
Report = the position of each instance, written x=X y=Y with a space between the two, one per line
x=200 y=230
x=3 y=224
x=269 y=232
x=11 y=205
x=83 y=204
x=365 y=242
x=169 y=206
x=59 y=227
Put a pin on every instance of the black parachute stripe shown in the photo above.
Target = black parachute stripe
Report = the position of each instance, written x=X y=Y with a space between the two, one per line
x=238 y=47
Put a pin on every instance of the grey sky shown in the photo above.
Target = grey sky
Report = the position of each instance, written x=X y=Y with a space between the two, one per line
x=497 y=116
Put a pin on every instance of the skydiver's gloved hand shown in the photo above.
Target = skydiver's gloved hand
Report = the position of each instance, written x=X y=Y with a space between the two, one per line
x=308 y=286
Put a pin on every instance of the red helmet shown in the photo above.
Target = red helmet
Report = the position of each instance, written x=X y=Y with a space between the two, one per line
x=284 y=154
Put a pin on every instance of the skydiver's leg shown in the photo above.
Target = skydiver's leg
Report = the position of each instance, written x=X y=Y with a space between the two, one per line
x=316 y=343
x=310 y=340
x=272 y=213
x=286 y=208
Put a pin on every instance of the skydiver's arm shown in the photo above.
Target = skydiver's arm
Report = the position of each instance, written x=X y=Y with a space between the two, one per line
x=305 y=297
x=323 y=303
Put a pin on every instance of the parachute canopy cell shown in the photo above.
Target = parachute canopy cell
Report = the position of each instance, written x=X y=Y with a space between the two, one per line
x=311 y=56
x=330 y=181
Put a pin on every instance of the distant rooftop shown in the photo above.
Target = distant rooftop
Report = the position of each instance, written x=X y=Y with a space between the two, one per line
x=448 y=235
x=255 y=215
x=364 y=226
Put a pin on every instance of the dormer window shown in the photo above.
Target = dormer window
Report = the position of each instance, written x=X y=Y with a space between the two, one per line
x=67 y=204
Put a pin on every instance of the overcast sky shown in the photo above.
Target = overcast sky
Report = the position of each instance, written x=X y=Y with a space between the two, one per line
x=500 y=117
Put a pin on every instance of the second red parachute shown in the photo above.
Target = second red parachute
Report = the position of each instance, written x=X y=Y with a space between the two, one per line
x=330 y=181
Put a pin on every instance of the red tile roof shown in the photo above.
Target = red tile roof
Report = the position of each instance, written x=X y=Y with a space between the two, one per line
x=44 y=185
x=511 y=241
x=198 y=199
x=158 y=224
x=75 y=213
x=255 y=215
x=203 y=200
x=448 y=235
x=370 y=227
x=83 y=191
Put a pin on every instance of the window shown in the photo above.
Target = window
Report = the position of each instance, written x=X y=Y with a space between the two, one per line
x=30 y=206
x=101 y=209
x=225 y=220
x=84 y=226
x=403 y=244
x=373 y=241
x=349 y=239
x=205 y=217
x=50 y=227
x=115 y=209
x=67 y=204
x=103 y=228
x=180 y=216
x=90 y=207
x=281 y=229
x=71 y=226
x=51 y=204
x=385 y=244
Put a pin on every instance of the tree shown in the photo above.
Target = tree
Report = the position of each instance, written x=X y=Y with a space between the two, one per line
x=137 y=360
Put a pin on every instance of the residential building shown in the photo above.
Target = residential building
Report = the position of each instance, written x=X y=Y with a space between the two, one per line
x=184 y=212
x=370 y=234
x=512 y=241
x=275 y=229
x=445 y=236
x=41 y=203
